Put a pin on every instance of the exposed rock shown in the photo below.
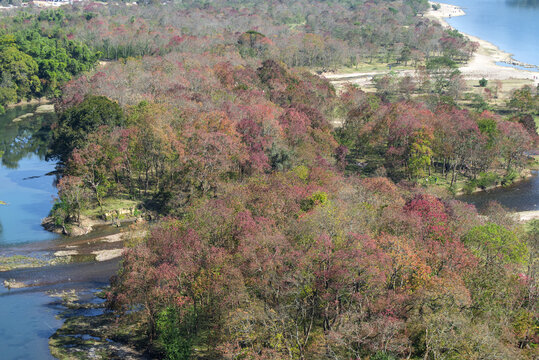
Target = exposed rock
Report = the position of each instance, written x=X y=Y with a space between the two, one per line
x=22 y=117
x=66 y=253
x=13 y=284
x=104 y=255
x=48 y=108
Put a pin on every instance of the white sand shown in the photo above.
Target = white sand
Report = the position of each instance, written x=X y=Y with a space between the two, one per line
x=66 y=253
x=483 y=63
x=528 y=215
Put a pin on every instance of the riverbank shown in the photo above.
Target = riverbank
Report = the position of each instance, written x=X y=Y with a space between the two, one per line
x=33 y=101
x=104 y=244
x=484 y=62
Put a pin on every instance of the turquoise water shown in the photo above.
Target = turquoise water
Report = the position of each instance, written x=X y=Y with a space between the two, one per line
x=512 y=25
x=25 y=186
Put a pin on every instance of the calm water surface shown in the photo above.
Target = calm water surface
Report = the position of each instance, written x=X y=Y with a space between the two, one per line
x=512 y=25
x=521 y=196
x=28 y=320
x=24 y=183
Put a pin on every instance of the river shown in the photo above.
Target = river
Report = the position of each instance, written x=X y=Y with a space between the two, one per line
x=521 y=196
x=512 y=25
x=29 y=316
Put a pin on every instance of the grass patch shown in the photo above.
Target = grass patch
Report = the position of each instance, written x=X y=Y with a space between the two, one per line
x=111 y=205
x=19 y=262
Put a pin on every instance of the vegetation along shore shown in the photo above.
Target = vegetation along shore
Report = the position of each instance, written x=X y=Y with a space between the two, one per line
x=285 y=173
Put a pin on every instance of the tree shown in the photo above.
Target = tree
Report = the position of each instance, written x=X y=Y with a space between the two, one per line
x=21 y=70
x=76 y=123
x=522 y=100
x=494 y=243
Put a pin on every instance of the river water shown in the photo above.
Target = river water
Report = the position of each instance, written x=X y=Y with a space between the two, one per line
x=26 y=184
x=521 y=196
x=28 y=317
x=512 y=25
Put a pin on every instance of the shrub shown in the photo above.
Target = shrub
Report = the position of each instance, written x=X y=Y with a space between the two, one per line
x=380 y=355
x=509 y=178
x=483 y=82
x=172 y=335
x=317 y=198
x=487 y=179
x=469 y=187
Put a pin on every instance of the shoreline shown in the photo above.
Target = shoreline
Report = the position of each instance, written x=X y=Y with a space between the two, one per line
x=484 y=61
x=483 y=64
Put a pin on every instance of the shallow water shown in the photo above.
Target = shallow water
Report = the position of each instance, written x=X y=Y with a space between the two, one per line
x=28 y=316
x=512 y=25
x=28 y=319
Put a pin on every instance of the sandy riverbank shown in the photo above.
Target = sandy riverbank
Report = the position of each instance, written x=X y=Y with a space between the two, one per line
x=483 y=63
x=528 y=215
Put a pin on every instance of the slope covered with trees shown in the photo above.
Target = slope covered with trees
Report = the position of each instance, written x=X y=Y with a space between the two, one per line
x=269 y=251
x=280 y=236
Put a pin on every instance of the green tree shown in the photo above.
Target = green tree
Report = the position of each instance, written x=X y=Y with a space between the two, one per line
x=20 y=69
x=174 y=334
x=493 y=242
x=76 y=123
x=523 y=101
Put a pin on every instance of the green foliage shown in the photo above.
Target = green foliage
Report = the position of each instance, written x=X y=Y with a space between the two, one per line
x=19 y=72
x=489 y=127
x=33 y=63
x=483 y=82
x=173 y=335
x=57 y=59
x=302 y=172
x=487 y=179
x=51 y=15
x=316 y=199
x=509 y=177
x=478 y=102
x=420 y=155
x=441 y=62
x=76 y=123
x=60 y=213
x=381 y=355
x=524 y=101
x=8 y=95
x=470 y=186
x=493 y=242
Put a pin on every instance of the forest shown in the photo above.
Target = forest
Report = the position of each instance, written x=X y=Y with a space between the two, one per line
x=294 y=221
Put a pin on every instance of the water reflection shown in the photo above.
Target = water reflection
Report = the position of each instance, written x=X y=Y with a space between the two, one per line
x=523 y=3
x=521 y=196
x=29 y=135
x=24 y=184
